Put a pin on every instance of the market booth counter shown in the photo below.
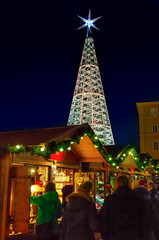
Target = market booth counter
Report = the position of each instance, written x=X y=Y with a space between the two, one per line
x=31 y=160
x=101 y=173
x=94 y=168
x=129 y=162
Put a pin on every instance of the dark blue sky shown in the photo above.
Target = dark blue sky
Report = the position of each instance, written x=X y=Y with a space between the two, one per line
x=40 y=52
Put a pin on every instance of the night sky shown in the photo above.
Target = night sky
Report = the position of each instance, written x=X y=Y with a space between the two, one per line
x=40 y=52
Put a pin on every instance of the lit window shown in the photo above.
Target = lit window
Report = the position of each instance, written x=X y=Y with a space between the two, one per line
x=154 y=111
x=154 y=128
x=155 y=146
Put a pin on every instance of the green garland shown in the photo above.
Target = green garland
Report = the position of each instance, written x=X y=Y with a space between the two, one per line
x=141 y=163
x=54 y=146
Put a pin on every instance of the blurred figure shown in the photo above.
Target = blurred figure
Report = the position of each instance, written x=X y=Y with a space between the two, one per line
x=150 y=185
x=149 y=220
x=120 y=213
x=154 y=194
x=66 y=190
x=80 y=219
x=49 y=210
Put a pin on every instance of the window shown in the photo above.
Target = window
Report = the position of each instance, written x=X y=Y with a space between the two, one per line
x=154 y=111
x=154 y=128
x=155 y=146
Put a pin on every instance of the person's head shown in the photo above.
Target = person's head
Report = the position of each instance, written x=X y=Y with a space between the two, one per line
x=122 y=181
x=50 y=186
x=85 y=187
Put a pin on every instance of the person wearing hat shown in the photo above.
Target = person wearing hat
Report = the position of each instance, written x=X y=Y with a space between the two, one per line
x=80 y=219
x=154 y=195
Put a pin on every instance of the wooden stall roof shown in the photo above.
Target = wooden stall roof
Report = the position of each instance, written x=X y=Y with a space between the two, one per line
x=117 y=152
x=129 y=161
x=85 y=151
x=38 y=136
x=114 y=150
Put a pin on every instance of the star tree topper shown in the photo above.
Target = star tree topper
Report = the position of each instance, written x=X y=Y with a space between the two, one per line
x=89 y=23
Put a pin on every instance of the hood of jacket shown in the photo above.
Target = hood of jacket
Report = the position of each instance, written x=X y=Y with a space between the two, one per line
x=51 y=197
x=77 y=201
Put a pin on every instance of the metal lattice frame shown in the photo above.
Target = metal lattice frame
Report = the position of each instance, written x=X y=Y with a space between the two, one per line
x=88 y=104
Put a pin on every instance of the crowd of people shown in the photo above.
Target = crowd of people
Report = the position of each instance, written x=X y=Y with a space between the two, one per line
x=127 y=214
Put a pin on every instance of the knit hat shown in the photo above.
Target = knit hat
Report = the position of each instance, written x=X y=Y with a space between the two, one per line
x=139 y=183
x=142 y=182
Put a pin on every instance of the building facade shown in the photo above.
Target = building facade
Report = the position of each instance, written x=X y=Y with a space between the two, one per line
x=149 y=128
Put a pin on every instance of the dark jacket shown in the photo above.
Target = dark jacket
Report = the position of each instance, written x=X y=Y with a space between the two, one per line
x=149 y=220
x=119 y=215
x=154 y=195
x=80 y=218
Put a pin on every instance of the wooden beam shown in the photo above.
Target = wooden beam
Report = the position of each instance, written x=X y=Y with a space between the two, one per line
x=6 y=171
x=93 y=159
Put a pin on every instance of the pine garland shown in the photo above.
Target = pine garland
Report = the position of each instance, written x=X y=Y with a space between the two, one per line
x=55 y=146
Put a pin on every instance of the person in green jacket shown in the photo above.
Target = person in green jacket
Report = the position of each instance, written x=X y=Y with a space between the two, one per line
x=49 y=210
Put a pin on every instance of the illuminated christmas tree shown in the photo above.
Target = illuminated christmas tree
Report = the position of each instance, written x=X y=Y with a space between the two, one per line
x=89 y=104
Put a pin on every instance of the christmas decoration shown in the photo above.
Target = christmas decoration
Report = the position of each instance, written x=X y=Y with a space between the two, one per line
x=89 y=104
x=54 y=147
x=60 y=148
x=58 y=156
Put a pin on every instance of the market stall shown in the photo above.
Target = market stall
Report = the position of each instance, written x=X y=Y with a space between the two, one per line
x=31 y=158
x=127 y=161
